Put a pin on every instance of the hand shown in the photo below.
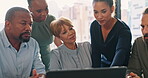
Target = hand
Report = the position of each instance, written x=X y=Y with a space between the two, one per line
x=35 y=75
x=132 y=75
x=57 y=41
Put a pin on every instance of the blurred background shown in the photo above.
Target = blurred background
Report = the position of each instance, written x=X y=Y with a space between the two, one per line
x=81 y=13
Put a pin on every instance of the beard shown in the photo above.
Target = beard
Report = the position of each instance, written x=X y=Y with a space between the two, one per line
x=24 y=38
x=146 y=39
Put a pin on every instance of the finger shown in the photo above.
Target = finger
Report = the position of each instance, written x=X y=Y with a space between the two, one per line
x=34 y=72
x=133 y=74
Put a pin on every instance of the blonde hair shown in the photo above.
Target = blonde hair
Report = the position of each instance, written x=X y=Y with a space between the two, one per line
x=56 y=25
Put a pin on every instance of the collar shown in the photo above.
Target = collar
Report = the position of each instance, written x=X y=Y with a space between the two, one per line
x=6 y=41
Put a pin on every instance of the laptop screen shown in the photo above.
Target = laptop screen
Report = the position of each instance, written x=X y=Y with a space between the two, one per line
x=107 y=72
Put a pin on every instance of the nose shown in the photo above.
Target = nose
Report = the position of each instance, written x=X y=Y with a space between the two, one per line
x=28 y=27
x=44 y=13
x=98 y=15
x=71 y=32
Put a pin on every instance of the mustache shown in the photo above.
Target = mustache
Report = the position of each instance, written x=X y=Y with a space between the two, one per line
x=146 y=35
x=23 y=39
x=26 y=33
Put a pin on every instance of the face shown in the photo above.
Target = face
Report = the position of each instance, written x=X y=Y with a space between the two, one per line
x=67 y=34
x=39 y=10
x=144 y=25
x=20 y=27
x=102 y=12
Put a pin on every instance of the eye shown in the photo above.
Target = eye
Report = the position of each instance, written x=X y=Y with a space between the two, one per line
x=71 y=28
x=95 y=12
x=142 y=26
x=23 y=24
x=30 y=24
x=64 y=32
x=103 y=11
x=39 y=11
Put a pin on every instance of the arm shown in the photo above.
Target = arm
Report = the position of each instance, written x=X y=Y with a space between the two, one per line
x=96 y=54
x=37 y=62
x=123 y=48
x=134 y=63
x=1 y=72
x=54 y=60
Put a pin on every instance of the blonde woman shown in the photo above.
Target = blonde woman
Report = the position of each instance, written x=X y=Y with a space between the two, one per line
x=70 y=55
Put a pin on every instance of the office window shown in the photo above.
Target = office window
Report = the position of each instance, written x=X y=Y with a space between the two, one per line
x=81 y=14
x=131 y=12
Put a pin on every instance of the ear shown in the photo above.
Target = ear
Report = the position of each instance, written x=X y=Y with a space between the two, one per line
x=112 y=9
x=7 y=24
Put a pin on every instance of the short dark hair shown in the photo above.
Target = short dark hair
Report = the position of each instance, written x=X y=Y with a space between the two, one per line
x=29 y=2
x=109 y=2
x=10 y=13
x=146 y=11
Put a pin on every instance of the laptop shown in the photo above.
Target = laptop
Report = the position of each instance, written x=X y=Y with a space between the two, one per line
x=107 y=72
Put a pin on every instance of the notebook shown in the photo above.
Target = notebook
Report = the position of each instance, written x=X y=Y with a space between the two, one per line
x=107 y=72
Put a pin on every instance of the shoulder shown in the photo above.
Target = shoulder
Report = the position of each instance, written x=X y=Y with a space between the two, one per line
x=94 y=26
x=94 y=23
x=122 y=24
x=32 y=41
x=50 y=17
x=139 y=42
x=57 y=50
x=84 y=44
x=122 y=27
x=139 y=39
x=85 y=47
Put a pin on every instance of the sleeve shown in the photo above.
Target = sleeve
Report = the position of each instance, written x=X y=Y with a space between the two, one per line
x=49 y=19
x=134 y=63
x=96 y=61
x=54 y=60
x=89 y=52
x=123 y=48
x=89 y=47
x=37 y=63
x=1 y=74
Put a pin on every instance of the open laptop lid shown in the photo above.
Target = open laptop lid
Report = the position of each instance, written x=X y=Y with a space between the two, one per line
x=107 y=72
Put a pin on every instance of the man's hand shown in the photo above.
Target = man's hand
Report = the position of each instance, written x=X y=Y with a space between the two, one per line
x=132 y=75
x=35 y=75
